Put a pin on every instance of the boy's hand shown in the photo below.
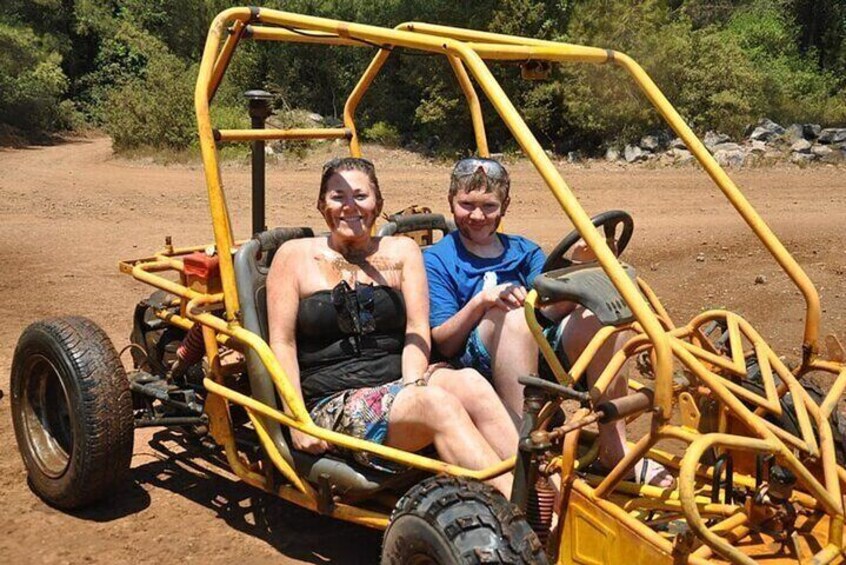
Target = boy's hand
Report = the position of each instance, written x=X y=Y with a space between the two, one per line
x=506 y=296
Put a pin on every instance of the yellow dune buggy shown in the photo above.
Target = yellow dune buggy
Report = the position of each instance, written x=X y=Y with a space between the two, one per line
x=759 y=477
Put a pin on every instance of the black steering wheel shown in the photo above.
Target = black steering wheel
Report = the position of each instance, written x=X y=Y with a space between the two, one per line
x=608 y=221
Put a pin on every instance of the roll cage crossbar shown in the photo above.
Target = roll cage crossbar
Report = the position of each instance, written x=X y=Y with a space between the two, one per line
x=654 y=331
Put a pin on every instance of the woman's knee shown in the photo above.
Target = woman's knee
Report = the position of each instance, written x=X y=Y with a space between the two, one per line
x=437 y=407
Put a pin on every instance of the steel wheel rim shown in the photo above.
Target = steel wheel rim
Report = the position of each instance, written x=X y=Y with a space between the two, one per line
x=46 y=417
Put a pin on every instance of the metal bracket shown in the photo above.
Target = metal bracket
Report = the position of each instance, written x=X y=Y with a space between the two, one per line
x=325 y=501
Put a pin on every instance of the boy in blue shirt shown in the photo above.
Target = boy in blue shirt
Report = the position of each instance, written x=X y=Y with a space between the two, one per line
x=477 y=285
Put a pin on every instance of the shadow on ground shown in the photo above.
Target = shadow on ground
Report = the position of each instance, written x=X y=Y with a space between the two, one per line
x=187 y=468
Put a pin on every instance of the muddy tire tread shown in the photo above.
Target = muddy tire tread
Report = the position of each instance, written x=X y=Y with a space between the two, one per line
x=462 y=509
x=101 y=404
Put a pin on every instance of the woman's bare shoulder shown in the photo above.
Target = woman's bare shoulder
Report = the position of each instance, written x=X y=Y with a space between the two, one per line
x=295 y=250
x=398 y=245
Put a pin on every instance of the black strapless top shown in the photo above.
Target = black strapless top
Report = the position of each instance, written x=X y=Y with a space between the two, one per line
x=332 y=357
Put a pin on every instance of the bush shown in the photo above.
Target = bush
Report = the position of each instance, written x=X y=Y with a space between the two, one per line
x=383 y=133
x=32 y=82
x=155 y=111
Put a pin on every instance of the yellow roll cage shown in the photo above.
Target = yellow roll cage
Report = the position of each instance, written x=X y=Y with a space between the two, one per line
x=653 y=330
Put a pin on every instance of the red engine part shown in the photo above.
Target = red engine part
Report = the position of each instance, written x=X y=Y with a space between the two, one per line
x=202 y=272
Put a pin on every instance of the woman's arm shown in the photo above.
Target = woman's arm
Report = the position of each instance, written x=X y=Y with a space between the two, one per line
x=283 y=299
x=415 y=293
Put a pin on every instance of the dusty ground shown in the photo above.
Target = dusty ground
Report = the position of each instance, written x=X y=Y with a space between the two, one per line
x=69 y=212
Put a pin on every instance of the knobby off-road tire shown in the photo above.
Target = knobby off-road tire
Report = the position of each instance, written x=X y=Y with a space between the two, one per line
x=446 y=520
x=788 y=421
x=72 y=411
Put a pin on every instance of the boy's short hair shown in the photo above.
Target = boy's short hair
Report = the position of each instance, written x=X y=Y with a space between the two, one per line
x=479 y=173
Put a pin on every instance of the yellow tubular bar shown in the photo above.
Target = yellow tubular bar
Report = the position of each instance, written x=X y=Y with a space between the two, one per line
x=283 y=466
x=624 y=285
x=358 y=93
x=263 y=33
x=473 y=103
x=268 y=134
x=223 y=237
x=349 y=442
x=501 y=46
x=225 y=56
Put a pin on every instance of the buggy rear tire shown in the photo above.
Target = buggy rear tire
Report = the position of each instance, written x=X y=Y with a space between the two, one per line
x=447 y=520
x=72 y=411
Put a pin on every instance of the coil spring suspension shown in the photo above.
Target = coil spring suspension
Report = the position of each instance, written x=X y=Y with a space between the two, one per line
x=539 y=508
x=190 y=351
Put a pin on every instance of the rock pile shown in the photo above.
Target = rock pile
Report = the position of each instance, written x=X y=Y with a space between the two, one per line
x=766 y=141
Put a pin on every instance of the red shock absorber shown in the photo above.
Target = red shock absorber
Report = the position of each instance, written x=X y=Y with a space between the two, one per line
x=190 y=351
x=539 y=508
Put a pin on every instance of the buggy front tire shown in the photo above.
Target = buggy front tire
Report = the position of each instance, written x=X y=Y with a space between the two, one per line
x=447 y=520
x=72 y=411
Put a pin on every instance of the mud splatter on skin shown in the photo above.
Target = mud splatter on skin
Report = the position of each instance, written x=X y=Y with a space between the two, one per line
x=377 y=268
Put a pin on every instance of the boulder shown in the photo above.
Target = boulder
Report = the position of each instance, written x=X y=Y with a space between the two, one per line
x=612 y=154
x=713 y=138
x=726 y=147
x=801 y=146
x=811 y=131
x=766 y=130
x=833 y=135
x=682 y=156
x=802 y=158
x=794 y=132
x=828 y=154
x=573 y=157
x=758 y=147
x=650 y=143
x=677 y=143
x=633 y=153
x=315 y=117
x=730 y=158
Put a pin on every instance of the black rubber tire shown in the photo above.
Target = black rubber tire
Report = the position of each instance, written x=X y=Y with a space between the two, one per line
x=72 y=411
x=447 y=520
x=788 y=421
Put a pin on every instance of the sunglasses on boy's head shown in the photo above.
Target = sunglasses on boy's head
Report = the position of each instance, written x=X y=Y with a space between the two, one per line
x=492 y=169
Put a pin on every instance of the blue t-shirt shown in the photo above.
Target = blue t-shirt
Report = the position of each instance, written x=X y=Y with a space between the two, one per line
x=456 y=275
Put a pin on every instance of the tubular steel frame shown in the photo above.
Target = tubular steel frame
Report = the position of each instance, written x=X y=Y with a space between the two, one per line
x=653 y=331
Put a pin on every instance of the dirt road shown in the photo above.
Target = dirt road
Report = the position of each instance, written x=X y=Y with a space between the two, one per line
x=69 y=212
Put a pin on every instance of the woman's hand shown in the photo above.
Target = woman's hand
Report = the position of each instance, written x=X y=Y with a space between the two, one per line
x=307 y=443
x=506 y=296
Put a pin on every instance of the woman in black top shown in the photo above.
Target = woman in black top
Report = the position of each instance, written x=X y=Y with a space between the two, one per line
x=349 y=322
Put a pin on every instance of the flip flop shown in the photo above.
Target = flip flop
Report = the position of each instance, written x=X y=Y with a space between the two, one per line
x=650 y=472
x=646 y=472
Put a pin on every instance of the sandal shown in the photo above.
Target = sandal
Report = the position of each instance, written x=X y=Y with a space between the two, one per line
x=646 y=472
x=650 y=472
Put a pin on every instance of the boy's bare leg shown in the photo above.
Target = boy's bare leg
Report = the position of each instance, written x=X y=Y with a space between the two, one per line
x=579 y=328
x=513 y=351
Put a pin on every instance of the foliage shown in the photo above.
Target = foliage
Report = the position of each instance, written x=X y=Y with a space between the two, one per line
x=31 y=82
x=130 y=65
x=383 y=134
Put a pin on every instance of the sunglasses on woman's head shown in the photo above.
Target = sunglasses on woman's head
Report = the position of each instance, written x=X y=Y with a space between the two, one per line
x=470 y=166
